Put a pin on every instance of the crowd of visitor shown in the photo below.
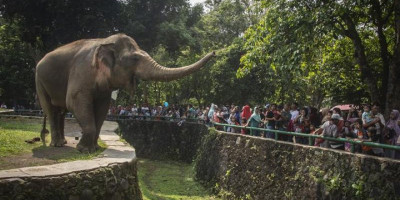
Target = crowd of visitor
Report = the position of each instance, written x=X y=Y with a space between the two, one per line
x=174 y=111
x=365 y=123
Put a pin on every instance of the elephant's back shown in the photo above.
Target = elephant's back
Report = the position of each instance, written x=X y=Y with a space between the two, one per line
x=51 y=76
x=59 y=61
x=52 y=71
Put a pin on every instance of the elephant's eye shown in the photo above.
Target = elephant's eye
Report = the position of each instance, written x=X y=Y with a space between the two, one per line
x=129 y=59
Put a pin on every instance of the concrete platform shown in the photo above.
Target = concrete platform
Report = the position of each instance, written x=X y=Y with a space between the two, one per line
x=117 y=152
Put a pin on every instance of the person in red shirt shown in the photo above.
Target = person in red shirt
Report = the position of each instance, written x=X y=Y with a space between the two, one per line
x=246 y=113
x=244 y=131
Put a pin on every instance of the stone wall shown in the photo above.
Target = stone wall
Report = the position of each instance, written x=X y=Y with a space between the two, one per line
x=116 y=181
x=163 y=139
x=245 y=167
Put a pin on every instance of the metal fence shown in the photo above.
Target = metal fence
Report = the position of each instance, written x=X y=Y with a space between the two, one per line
x=25 y=112
x=39 y=113
x=153 y=118
x=312 y=137
x=28 y=112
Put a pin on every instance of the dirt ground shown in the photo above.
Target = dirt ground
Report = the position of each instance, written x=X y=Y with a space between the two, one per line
x=47 y=155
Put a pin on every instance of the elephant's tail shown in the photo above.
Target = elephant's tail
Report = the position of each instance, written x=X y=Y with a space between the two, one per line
x=44 y=131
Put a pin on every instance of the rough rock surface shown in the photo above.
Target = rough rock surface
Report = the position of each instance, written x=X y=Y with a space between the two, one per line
x=163 y=139
x=245 y=167
x=116 y=181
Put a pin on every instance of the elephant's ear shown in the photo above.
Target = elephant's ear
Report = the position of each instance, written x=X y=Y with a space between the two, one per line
x=103 y=62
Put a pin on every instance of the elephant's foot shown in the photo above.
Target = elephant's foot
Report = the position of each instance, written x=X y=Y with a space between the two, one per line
x=97 y=146
x=83 y=148
x=58 y=142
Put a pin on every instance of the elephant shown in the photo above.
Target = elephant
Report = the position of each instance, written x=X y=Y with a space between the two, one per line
x=80 y=76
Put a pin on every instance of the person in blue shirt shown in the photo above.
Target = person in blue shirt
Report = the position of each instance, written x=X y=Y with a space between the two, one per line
x=254 y=121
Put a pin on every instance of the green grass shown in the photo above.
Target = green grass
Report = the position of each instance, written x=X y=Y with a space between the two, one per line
x=14 y=132
x=169 y=180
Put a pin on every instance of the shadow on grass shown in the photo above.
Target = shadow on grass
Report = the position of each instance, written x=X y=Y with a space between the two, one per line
x=63 y=154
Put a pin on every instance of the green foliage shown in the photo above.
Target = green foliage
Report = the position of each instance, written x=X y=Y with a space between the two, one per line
x=309 y=50
x=359 y=188
x=160 y=22
x=220 y=30
x=267 y=51
x=16 y=66
x=334 y=183
x=48 y=24
x=217 y=81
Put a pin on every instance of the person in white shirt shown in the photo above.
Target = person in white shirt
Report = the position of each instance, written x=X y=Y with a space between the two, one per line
x=293 y=111
x=134 y=110
x=145 y=110
x=378 y=121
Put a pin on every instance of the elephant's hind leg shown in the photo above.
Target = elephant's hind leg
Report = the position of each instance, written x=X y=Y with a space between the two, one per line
x=51 y=112
x=57 y=124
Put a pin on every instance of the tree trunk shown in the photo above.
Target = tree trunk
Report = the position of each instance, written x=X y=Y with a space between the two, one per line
x=367 y=74
x=393 y=89
x=380 y=23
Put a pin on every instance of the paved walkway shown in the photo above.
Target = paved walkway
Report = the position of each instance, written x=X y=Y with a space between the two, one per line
x=117 y=152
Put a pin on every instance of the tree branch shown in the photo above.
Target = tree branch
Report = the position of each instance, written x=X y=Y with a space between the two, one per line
x=389 y=12
x=342 y=30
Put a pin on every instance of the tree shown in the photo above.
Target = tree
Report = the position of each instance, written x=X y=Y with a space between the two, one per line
x=221 y=30
x=159 y=22
x=16 y=67
x=29 y=29
x=393 y=86
x=293 y=35
x=48 y=24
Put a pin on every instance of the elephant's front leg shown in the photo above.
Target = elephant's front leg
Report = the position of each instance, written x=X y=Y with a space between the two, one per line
x=101 y=108
x=82 y=106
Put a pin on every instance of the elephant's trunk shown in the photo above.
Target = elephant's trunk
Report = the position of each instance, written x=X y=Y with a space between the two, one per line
x=157 y=72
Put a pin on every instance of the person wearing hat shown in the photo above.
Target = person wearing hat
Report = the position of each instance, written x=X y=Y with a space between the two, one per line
x=330 y=129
